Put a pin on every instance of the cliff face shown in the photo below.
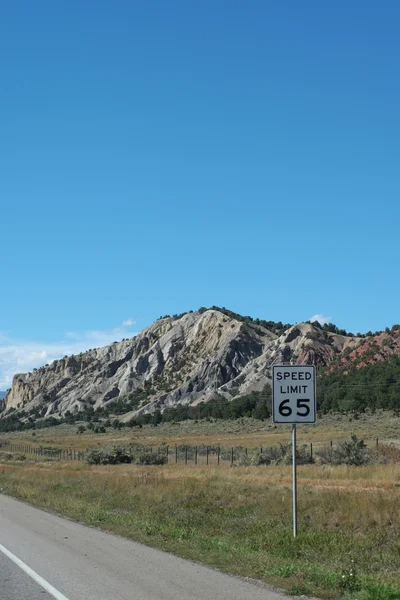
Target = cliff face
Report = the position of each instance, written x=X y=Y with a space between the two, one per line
x=181 y=360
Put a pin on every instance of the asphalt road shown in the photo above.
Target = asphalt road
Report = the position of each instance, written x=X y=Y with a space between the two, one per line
x=74 y=562
x=16 y=585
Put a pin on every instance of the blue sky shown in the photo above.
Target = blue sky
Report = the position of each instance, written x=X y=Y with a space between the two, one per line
x=160 y=156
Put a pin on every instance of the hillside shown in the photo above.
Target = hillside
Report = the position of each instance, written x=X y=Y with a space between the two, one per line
x=213 y=353
x=183 y=359
x=364 y=375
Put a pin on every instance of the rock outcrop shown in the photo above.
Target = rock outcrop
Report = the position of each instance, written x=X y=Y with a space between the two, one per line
x=176 y=360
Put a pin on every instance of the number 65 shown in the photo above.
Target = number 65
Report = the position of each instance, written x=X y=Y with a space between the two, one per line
x=286 y=410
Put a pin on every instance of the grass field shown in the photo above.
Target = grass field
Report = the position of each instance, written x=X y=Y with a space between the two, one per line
x=250 y=433
x=239 y=519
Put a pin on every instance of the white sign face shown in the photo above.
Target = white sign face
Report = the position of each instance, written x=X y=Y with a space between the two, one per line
x=293 y=394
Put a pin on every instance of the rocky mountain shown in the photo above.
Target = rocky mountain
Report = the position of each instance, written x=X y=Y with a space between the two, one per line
x=184 y=359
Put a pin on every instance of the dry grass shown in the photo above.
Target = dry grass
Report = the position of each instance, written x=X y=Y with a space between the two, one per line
x=239 y=519
x=242 y=432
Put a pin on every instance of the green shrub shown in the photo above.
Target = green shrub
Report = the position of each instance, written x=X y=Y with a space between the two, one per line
x=6 y=456
x=93 y=456
x=282 y=454
x=150 y=458
x=20 y=456
x=9 y=456
x=110 y=455
x=353 y=452
x=115 y=455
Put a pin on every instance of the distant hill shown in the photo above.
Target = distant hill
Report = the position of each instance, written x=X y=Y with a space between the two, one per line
x=183 y=360
x=2 y=395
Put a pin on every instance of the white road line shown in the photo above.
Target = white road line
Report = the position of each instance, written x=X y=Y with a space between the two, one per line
x=42 y=582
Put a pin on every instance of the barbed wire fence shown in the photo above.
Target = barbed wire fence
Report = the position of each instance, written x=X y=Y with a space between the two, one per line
x=183 y=454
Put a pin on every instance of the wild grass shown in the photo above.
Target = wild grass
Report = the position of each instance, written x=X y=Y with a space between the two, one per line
x=239 y=519
x=245 y=432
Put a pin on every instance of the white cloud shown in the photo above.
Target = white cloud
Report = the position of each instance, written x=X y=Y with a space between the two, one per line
x=321 y=319
x=20 y=356
x=128 y=323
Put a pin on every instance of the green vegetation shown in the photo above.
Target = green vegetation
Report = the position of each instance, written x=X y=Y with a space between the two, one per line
x=353 y=452
x=331 y=328
x=256 y=405
x=374 y=386
x=116 y=455
x=14 y=422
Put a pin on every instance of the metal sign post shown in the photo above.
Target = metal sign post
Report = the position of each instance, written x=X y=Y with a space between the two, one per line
x=294 y=477
x=293 y=401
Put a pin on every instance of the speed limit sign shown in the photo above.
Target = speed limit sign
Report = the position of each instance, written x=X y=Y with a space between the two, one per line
x=293 y=393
